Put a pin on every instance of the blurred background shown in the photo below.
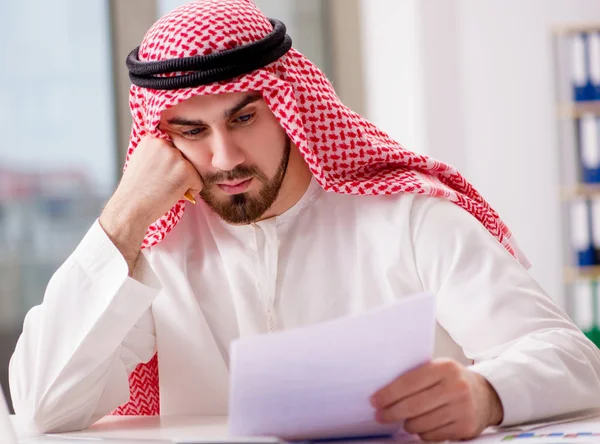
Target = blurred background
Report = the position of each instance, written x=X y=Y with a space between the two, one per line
x=489 y=86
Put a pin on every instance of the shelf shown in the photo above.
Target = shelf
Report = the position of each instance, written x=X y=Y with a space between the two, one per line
x=577 y=109
x=580 y=190
x=577 y=273
x=575 y=29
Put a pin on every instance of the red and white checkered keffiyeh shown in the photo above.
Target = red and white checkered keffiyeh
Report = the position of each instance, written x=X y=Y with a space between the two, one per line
x=346 y=153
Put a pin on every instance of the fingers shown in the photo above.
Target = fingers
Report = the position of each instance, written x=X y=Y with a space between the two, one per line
x=432 y=420
x=437 y=401
x=454 y=431
x=444 y=423
x=195 y=181
x=430 y=399
x=406 y=385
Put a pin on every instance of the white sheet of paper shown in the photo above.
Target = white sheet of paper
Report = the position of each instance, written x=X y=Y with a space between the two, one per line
x=316 y=381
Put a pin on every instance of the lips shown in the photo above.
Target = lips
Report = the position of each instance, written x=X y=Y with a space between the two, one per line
x=235 y=186
x=232 y=183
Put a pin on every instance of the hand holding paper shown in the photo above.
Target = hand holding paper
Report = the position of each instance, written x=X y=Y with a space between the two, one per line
x=441 y=400
x=315 y=382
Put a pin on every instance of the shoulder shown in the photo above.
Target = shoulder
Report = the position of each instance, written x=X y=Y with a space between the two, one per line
x=389 y=206
x=420 y=211
x=432 y=214
x=418 y=219
x=443 y=232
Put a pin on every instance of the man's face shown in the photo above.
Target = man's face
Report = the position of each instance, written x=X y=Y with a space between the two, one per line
x=238 y=147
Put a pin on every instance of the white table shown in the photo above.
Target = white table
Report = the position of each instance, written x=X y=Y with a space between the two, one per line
x=169 y=428
x=145 y=427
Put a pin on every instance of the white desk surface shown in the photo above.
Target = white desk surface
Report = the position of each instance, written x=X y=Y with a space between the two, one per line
x=196 y=427
x=146 y=427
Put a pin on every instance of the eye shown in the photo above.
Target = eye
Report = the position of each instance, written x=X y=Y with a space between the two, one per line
x=245 y=118
x=192 y=132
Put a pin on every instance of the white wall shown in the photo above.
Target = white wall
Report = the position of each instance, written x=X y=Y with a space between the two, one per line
x=391 y=68
x=486 y=95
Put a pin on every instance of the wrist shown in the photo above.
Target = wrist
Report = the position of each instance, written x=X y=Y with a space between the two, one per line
x=125 y=230
x=495 y=408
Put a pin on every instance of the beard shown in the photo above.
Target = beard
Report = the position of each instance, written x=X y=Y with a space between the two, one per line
x=244 y=208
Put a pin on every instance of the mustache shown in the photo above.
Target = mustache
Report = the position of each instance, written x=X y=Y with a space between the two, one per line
x=240 y=172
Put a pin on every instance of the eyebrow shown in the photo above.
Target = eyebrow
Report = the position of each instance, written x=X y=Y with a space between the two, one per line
x=247 y=100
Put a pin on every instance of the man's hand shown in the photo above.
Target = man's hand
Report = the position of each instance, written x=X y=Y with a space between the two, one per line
x=441 y=400
x=157 y=176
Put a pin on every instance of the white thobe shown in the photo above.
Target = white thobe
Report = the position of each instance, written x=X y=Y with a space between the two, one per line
x=330 y=255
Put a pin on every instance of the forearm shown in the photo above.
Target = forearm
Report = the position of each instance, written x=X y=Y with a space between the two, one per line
x=125 y=228
x=544 y=374
x=68 y=368
x=538 y=362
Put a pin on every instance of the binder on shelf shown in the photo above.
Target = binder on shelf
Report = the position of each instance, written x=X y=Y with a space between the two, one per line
x=589 y=148
x=584 y=307
x=585 y=66
x=595 y=334
x=581 y=236
x=595 y=226
x=579 y=72
x=594 y=63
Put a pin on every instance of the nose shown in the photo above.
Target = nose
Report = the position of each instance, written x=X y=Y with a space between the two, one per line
x=226 y=154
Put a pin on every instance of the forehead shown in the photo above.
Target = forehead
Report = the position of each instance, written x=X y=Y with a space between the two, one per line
x=208 y=105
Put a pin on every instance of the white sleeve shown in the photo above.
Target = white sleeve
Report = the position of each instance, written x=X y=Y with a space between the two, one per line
x=71 y=363
x=537 y=360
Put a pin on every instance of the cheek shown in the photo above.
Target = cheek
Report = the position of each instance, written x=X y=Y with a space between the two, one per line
x=264 y=149
x=198 y=156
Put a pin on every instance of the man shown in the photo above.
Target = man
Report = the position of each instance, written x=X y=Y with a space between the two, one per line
x=227 y=113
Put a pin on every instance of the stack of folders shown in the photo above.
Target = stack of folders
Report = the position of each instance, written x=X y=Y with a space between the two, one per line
x=586 y=66
x=585 y=242
x=585 y=209
x=585 y=229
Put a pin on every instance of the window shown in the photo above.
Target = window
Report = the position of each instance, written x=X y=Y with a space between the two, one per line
x=57 y=149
